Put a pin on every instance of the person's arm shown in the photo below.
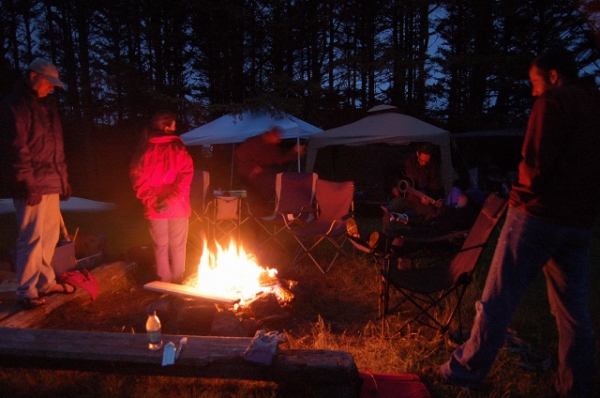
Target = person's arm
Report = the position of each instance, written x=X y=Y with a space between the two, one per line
x=183 y=181
x=141 y=185
x=543 y=144
x=19 y=126
x=280 y=158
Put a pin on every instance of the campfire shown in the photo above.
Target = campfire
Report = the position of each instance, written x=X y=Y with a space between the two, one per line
x=228 y=276
x=232 y=274
x=231 y=295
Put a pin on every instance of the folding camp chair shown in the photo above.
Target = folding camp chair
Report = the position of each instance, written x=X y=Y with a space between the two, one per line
x=198 y=195
x=294 y=193
x=334 y=206
x=225 y=218
x=425 y=288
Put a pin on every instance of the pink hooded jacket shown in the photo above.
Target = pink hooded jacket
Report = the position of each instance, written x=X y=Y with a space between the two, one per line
x=163 y=174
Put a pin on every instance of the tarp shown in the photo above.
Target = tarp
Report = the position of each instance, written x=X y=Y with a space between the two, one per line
x=73 y=204
x=388 y=128
x=233 y=129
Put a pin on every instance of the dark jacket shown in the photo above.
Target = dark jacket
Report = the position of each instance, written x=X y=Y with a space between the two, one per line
x=427 y=179
x=31 y=145
x=559 y=176
x=256 y=152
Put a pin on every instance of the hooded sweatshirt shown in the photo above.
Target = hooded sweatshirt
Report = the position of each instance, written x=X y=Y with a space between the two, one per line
x=163 y=173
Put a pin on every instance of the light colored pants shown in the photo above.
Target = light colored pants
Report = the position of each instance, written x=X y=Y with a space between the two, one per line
x=170 y=239
x=39 y=231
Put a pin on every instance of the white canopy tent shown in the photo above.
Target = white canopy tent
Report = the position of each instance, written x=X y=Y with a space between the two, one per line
x=233 y=129
x=387 y=128
x=237 y=128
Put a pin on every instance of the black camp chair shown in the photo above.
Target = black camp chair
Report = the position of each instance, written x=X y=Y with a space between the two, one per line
x=425 y=288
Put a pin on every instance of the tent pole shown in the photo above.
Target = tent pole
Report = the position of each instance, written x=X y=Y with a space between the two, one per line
x=298 y=147
x=232 y=160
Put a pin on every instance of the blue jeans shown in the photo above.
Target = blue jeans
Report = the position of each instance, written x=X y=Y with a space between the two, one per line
x=526 y=246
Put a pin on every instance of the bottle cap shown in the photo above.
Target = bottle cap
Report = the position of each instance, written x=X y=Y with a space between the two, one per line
x=150 y=310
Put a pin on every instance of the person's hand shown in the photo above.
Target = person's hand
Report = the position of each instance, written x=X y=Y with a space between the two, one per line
x=438 y=203
x=426 y=200
x=161 y=206
x=66 y=195
x=34 y=196
x=255 y=171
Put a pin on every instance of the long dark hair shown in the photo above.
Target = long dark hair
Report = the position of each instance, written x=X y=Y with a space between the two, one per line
x=155 y=128
x=158 y=123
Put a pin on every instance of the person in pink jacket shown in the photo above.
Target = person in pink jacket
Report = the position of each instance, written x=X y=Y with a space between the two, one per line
x=161 y=173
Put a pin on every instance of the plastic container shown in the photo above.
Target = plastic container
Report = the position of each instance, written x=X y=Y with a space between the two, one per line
x=153 y=329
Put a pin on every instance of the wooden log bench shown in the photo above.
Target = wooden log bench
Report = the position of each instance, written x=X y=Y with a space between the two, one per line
x=11 y=315
x=327 y=373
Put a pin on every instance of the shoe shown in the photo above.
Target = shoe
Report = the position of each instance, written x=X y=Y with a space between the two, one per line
x=352 y=228
x=67 y=288
x=374 y=240
x=29 y=303
x=399 y=217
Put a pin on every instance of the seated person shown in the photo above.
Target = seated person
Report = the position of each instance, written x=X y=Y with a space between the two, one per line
x=459 y=212
x=420 y=192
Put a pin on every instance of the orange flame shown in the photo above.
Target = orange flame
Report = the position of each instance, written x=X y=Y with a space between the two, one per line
x=231 y=273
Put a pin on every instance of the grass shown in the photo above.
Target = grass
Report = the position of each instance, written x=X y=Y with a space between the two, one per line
x=342 y=307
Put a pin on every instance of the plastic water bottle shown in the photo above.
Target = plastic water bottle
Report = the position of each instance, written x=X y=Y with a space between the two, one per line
x=153 y=328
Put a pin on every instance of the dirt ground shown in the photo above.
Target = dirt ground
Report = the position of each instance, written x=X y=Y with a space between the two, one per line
x=122 y=308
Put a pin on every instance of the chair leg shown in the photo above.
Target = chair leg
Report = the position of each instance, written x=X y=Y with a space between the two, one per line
x=305 y=251
x=382 y=308
x=384 y=289
x=273 y=236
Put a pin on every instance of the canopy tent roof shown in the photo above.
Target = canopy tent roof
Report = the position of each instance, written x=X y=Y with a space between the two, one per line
x=388 y=128
x=233 y=129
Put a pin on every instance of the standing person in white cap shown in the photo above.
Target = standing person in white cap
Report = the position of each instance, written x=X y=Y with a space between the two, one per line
x=34 y=174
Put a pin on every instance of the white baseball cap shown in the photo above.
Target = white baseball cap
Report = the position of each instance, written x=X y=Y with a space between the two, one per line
x=46 y=68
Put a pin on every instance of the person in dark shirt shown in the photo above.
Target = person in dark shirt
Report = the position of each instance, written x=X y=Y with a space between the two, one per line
x=256 y=158
x=423 y=175
x=548 y=228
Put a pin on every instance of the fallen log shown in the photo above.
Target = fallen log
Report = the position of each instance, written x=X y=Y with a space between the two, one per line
x=331 y=373
x=11 y=315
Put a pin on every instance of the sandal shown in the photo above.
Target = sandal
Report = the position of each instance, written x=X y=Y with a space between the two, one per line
x=29 y=303
x=67 y=288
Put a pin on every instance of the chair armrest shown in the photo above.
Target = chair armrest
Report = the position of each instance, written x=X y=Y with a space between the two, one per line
x=341 y=220
x=347 y=216
x=294 y=219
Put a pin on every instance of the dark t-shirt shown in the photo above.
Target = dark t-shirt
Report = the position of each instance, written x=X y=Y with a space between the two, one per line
x=559 y=175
